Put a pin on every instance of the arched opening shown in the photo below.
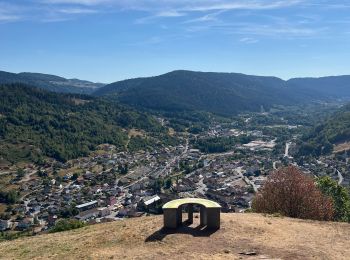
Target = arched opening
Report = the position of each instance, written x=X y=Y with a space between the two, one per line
x=209 y=213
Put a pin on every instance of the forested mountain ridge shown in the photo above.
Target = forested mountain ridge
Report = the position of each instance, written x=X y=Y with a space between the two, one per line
x=36 y=123
x=220 y=93
x=336 y=86
x=50 y=82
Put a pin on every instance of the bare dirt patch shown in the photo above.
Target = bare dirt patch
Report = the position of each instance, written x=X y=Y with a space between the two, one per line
x=171 y=131
x=136 y=133
x=341 y=147
x=78 y=101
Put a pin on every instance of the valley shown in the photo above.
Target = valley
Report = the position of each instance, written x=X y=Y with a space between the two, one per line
x=226 y=160
x=174 y=129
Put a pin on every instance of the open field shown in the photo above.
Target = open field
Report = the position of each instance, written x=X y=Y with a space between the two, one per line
x=142 y=238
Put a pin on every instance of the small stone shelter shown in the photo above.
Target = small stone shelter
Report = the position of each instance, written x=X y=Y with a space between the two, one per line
x=209 y=212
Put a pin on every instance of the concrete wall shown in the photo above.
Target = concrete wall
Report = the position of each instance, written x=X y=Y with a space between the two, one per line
x=213 y=218
x=170 y=218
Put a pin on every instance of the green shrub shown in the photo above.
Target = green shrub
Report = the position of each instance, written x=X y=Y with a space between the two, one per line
x=339 y=195
x=67 y=224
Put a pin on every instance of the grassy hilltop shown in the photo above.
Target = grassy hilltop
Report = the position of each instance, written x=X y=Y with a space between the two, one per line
x=242 y=236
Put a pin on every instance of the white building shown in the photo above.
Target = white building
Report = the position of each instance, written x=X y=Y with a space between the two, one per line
x=5 y=224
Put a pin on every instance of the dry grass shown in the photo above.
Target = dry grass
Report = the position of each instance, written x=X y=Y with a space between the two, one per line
x=71 y=170
x=342 y=147
x=268 y=237
x=3 y=208
x=136 y=133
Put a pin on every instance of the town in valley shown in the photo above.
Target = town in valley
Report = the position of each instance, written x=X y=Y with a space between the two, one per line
x=227 y=162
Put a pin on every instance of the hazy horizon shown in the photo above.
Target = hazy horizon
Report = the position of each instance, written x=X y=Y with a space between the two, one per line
x=234 y=72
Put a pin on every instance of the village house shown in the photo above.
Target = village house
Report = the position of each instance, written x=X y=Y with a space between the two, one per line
x=25 y=224
x=151 y=204
x=5 y=224
x=88 y=214
x=87 y=206
x=103 y=212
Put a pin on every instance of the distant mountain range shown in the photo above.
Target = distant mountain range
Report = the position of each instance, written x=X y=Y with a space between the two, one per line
x=50 y=82
x=220 y=93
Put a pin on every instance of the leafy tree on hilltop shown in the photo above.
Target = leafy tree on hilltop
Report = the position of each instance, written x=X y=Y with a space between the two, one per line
x=339 y=195
x=291 y=193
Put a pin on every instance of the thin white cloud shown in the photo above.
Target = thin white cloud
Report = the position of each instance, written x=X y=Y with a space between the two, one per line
x=183 y=5
x=248 y=40
x=250 y=30
x=168 y=8
x=206 y=18
x=190 y=15
x=242 y=5
x=329 y=4
x=278 y=30
x=8 y=18
x=77 y=11
x=171 y=13
x=156 y=9
x=78 y=2
x=162 y=14
x=9 y=12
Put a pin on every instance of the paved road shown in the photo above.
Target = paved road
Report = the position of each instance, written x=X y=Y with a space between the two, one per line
x=274 y=165
x=341 y=178
x=27 y=177
x=286 y=152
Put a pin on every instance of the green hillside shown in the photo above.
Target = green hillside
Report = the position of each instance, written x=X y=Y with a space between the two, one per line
x=36 y=123
x=338 y=86
x=322 y=138
x=220 y=93
x=50 y=82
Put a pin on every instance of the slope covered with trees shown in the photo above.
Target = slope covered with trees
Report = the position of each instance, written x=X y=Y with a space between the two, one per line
x=50 y=82
x=338 y=86
x=322 y=138
x=220 y=93
x=36 y=123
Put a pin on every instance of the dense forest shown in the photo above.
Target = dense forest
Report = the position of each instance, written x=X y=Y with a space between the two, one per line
x=36 y=123
x=50 y=82
x=321 y=139
x=221 y=93
x=337 y=86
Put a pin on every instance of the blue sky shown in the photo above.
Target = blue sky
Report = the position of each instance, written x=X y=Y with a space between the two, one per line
x=110 y=40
